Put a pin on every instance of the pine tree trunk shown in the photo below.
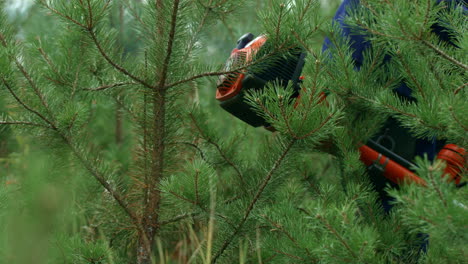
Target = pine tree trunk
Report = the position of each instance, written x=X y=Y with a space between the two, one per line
x=150 y=218
x=151 y=212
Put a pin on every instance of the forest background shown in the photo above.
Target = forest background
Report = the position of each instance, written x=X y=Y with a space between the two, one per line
x=53 y=211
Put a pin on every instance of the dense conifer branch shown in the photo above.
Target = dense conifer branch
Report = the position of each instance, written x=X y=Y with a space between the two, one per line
x=317 y=57
x=415 y=37
x=324 y=122
x=335 y=233
x=278 y=25
x=260 y=190
x=27 y=123
x=2 y=40
x=460 y=88
x=306 y=9
x=89 y=167
x=220 y=151
x=198 y=205
x=125 y=107
x=90 y=14
x=198 y=30
x=100 y=178
x=33 y=85
x=435 y=185
x=183 y=198
x=411 y=75
x=108 y=86
x=265 y=109
x=426 y=17
x=199 y=150
x=28 y=77
x=444 y=55
x=286 y=233
x=134 y=13
x=52 y=67
x=114 y=64
x=289 y=255
x=457 y=120
x=27 y=107
x=67 y=17
x=177 y=218
x=399 y=111
x=90 y=29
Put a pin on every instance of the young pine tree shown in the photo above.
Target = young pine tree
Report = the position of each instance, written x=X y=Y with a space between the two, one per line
x=63 y=79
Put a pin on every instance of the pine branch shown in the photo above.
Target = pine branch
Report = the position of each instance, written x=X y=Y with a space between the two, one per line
x=108 y=86
x=124 y=106
x=183 y=198
x=114 y=64
x=334 y=232
x=197 y=198
x=289 y=255
x=199 y=29
x=33 y=85
x=317 y=57
x=417 y=38
x=278 y=25
x=51 y=65
x=265 y=109
x=92 y=170
x=90 y=15
x=170 y=46
x=426 y=17
x=324 y=122
x=119 y=198
x=411 y=75
x=220 y=151
x=306 y=9
x=134 y=13
x=3 y=40
x=100 y=178
x=444 y=55
x=287 y=234
x=206 y=74
x=177 y=218
x=90 y=29
x=27 y=107
x=254 y=201
x=435 y=185
x=293 y=134
x=28 y=77
x=457 y=120
x=202 y=154
x=234 y=71
x=460 y=88
x=67 y=17
x=27 y=123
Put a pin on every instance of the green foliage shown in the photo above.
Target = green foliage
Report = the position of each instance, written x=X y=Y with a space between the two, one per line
x=438 y=211
x=114 y=150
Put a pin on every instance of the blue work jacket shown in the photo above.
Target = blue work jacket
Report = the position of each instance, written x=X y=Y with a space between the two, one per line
x=359 y=44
